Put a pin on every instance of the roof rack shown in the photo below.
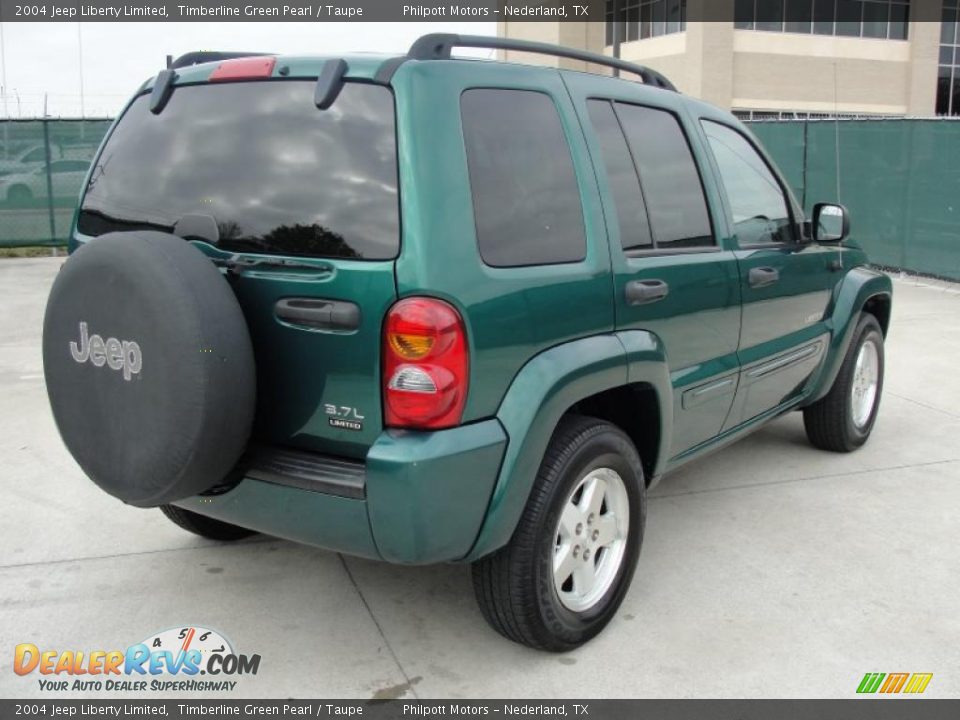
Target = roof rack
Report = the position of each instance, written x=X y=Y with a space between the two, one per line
x=205 y=56
x=437 y=46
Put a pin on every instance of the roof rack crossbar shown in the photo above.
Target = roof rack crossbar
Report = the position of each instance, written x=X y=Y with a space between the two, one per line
x=205 y=56
x=437 y=46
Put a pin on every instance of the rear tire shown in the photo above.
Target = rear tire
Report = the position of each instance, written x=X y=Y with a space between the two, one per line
x=567 y=568
x=843 y=419
x=204 y=526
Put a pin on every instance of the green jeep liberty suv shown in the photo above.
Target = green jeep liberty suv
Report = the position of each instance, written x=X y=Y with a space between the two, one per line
x=425 y=309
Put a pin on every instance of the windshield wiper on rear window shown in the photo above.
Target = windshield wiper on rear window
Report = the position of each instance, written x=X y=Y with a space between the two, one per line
x=96 y=222
x=237 y=263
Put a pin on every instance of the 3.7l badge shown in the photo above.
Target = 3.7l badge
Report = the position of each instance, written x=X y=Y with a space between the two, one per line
x=343 y=417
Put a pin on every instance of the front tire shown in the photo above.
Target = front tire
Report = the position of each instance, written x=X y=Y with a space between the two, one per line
x=568 y=566
x=203 y=526
x=843 y=419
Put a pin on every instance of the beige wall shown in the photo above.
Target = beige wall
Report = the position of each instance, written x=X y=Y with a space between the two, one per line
x=924 y=54
x=581 y=35
x=749 y=70
x=820 y=74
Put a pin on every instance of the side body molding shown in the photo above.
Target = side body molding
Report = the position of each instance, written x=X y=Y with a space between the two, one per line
x=859 y=285
x=541 y=393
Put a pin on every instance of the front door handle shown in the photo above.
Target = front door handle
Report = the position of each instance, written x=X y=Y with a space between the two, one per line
x=644 y=292
x=763 y=277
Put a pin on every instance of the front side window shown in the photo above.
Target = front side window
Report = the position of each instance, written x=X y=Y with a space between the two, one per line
x=758 y=204
x=669 y=177
x=526 y=201
x=276 y=174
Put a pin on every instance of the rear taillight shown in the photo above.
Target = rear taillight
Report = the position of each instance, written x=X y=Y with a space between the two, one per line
x=425 y=365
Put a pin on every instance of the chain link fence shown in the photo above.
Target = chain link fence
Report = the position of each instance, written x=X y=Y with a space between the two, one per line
x=42 y=167
x=899 y=178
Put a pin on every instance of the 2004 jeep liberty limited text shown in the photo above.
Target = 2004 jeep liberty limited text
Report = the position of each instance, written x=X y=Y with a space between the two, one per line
x=426 y=309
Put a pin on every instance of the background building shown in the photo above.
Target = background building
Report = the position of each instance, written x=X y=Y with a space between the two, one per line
x=783 y=57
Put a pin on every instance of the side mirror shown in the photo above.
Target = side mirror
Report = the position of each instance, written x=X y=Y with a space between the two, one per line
x=831 y=223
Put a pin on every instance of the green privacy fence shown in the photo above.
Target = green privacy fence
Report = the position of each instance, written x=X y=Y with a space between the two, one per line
x=900 y=179
x=42 y=166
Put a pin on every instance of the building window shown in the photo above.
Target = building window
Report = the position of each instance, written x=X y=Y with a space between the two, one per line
x=641 y=19
x=885 y=19
x=948 y=78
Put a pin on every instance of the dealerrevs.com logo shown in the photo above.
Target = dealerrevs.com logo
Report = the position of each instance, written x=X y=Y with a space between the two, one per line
x=175 y=660
x=893 y=683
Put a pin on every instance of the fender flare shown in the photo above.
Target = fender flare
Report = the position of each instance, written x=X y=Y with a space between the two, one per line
x=544 y=389
x=852 y=294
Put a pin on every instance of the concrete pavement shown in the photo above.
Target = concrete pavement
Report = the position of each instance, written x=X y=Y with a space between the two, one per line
x=769 y=569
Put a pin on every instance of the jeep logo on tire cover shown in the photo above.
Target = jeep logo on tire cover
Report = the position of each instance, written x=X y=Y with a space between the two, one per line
x=115 y=354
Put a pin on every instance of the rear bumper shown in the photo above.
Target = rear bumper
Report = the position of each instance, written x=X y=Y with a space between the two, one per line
x=419 y=498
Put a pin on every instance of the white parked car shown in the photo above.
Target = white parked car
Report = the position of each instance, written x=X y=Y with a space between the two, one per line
x=66 y=178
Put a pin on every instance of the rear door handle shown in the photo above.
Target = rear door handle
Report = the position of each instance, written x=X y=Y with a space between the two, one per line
x=763 y=276
x=644 y=292
x=319 y=314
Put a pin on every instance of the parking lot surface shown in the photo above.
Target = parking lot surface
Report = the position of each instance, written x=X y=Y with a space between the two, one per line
x=769 y=569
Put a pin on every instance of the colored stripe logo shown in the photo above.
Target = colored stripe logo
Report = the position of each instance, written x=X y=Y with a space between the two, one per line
x=891 y=683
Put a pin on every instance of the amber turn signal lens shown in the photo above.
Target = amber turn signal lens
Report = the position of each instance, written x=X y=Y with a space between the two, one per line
x=411 y=347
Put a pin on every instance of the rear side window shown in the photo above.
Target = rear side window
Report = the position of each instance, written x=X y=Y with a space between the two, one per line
x=622 y=177
x=526 y=202
x=669 y=176
x=277 y=175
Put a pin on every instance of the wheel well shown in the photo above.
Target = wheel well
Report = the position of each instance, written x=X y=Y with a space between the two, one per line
x=879 y=307
x=634 y=409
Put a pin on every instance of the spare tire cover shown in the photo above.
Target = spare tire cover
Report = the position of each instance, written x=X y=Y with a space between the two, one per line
x=149 y=367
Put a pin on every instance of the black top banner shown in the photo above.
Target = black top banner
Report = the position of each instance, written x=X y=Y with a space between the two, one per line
x=301 y=10
x=372 y=10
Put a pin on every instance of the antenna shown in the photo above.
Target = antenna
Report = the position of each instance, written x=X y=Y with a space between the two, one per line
x=836 y=142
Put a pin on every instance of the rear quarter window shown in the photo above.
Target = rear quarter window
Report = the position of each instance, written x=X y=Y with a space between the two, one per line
x=526 y=201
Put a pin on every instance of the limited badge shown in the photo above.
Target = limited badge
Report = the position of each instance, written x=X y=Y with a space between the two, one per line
x=344 y=417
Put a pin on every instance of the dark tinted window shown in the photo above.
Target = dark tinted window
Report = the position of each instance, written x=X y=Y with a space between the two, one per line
x=622 y=177
x=671 y=183
x=277 y=174
x=759 y=208
x=525 y=196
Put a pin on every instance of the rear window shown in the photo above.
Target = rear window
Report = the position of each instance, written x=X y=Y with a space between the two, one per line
x=277 y=175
